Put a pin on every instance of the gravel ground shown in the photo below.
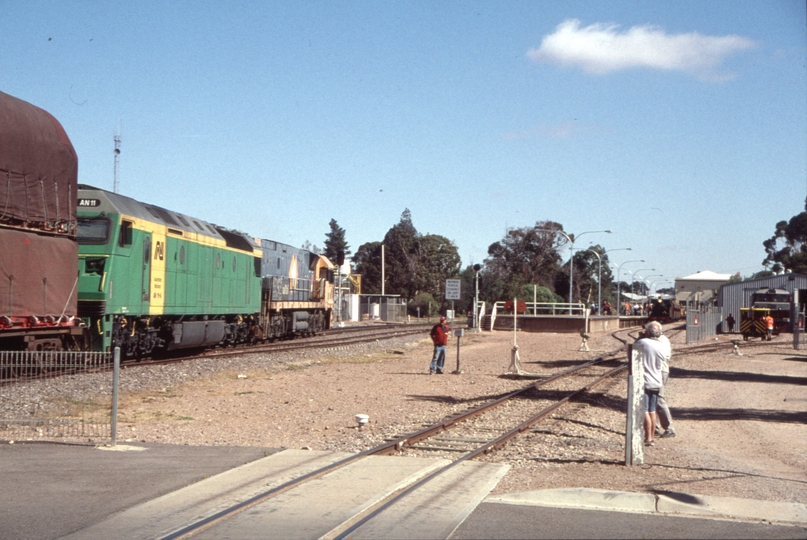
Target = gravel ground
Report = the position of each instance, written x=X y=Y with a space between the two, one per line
x=741 y=421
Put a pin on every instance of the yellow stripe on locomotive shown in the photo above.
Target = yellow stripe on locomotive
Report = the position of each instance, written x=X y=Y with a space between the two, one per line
x=752 y=322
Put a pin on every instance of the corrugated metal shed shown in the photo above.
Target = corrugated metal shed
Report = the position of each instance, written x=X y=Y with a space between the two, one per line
x=733 y=296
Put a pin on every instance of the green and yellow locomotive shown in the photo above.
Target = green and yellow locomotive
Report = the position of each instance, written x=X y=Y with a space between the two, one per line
x=151 y=279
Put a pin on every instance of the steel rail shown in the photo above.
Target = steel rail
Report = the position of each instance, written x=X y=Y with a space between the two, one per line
x=397 y=444
x=409 y=440
x=470 y=455
x=282 y=346
x=383 y=449
x=375 y=334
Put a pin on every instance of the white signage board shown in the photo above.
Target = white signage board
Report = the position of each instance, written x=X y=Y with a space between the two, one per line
x=453 y=289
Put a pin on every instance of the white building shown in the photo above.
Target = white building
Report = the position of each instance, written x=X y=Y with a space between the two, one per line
x=700 y=287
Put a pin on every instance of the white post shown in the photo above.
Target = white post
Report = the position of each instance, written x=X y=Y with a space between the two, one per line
x=339 y=301
x=476 y=298
x=634 y=429
x=571 y=274
x=382 y=269
x=599 y=285
x=115 y=383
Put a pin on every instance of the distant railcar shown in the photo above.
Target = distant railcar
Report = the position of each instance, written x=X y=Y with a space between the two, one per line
x=297 y=290
x=38 y=251
x=765 y=302
x=665 y=310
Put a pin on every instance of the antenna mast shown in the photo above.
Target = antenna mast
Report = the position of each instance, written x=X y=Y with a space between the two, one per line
x=117 y=153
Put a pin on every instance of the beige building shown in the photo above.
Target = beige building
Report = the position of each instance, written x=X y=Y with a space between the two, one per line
x=700 y=287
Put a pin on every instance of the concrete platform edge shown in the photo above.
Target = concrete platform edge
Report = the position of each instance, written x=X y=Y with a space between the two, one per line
x=666 y=503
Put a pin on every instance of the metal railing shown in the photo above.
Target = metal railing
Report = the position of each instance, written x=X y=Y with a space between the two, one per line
x=542 y=309
x=294 y=289
x=552 y=309
x=56 y=395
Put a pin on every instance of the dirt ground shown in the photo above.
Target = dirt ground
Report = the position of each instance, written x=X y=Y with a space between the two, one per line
x=741 y=420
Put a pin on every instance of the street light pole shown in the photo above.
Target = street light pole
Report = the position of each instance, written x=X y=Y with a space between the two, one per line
x=636 y=273
x=618 y=283
x=658 y=281
x=647 y=282
x=477 y=268
x=599 y=274
x=571 y=239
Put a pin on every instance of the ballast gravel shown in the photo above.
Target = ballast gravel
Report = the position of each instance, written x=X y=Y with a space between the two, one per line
x=740 y=419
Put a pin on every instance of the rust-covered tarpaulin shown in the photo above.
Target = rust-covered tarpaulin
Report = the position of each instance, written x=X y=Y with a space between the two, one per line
x=38 y=274
x=38 y=169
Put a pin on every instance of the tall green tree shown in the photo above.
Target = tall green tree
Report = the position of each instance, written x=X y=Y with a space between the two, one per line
x=527 y=255
x=414 y=263
x=438 y=260
x=401 y=258
x=591 y=270
x=585 y=276
x=787 y=248
x=336 y=245
x=367 y=262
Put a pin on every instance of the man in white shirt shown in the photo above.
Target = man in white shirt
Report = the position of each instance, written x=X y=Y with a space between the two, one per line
x=654 y=352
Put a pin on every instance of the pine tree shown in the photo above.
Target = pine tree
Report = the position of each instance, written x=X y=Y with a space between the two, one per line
x=336 y=247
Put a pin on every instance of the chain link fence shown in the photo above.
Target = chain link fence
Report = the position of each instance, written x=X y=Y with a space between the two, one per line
x=58 y=395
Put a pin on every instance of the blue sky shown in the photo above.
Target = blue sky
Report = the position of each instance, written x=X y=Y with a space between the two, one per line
x=680 y=126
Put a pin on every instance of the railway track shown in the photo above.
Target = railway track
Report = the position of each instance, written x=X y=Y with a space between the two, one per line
x=459 y=438
x=21 y=367
x=473 y=433
x=333 y=338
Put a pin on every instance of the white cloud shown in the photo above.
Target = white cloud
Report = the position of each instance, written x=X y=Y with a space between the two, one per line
x=601 y=49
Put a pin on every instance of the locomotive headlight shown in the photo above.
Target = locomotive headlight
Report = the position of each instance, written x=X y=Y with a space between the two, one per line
x=94 y=266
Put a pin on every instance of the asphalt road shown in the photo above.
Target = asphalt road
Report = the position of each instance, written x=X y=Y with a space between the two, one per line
x=50 y=490
x=506 y=521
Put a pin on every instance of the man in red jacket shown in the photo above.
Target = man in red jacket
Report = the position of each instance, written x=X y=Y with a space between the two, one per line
x=439 y=336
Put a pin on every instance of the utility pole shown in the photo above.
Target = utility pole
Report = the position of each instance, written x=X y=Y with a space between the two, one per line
x=116 y=138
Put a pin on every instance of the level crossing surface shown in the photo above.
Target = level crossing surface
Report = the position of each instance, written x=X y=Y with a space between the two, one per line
x=149 y=491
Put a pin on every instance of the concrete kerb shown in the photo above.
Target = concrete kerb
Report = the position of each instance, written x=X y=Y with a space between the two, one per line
x=664 y=503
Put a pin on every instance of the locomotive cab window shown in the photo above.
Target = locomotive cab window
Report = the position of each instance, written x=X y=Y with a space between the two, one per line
x=125 y=237
x=93 y=230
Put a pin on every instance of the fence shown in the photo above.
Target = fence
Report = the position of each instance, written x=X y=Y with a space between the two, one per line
x=799 y=335
x=702 y=323
x=57 y=395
